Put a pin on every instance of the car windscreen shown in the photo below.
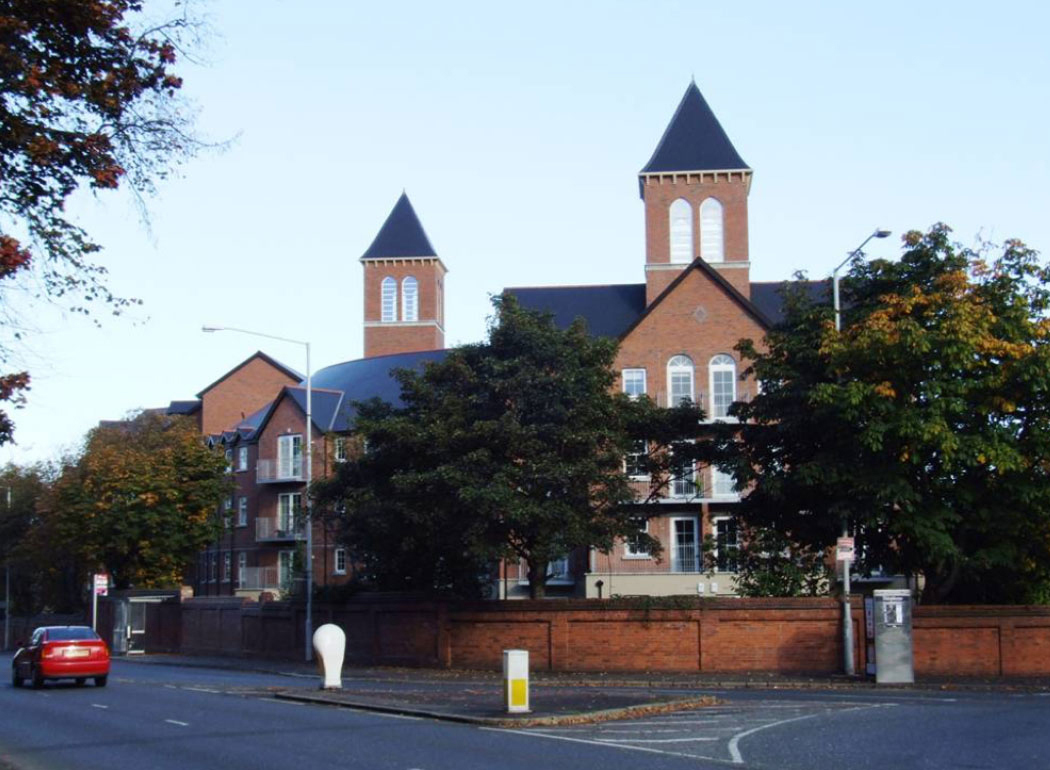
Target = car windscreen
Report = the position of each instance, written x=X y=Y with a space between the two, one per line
x=72 y=633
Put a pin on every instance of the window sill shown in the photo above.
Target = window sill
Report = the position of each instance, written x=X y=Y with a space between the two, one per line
x=637 y=557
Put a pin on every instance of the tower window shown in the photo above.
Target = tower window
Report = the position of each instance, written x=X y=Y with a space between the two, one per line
x=711 y=240
x=409 y=299
x=723 y=384
x=681 y=231
x=389 y=310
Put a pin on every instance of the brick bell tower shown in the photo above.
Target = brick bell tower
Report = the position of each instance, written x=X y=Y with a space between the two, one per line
x=404 y=287
x=695 y=190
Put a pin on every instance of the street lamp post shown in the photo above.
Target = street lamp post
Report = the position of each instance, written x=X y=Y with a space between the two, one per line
x=847 y=612
x=309 y=479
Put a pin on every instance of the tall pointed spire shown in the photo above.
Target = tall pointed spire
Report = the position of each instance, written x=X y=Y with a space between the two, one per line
x=401 y=235
x=694 y=140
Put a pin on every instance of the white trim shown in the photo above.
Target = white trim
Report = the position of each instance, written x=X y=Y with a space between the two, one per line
x=714 y=538
x=629 y=554
x=393 y=324
x=623 y=380
x=335 y=561
x=380 y=261
x=672 y=545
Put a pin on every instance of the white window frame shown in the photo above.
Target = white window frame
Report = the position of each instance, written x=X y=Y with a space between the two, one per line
x=290 y=456
x=409 y=298
x=722 y=484
x=719 y=366
x=716 y=538
x=339 y=449
x=339 y=561
x=680 y=232
x=558 y=571
x=642 y=450
x=288 y=505
x=629 y=551
x=631 y=379
x=242 y=511
x=712 y=230
x=242 y=458
x=676 y=553
x=242 y=568
x=227 y=567
x=679 y=365
x=388 y=300
x=213 y=568
x=684 y=488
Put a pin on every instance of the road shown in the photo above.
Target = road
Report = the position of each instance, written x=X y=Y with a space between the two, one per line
x=155 y=716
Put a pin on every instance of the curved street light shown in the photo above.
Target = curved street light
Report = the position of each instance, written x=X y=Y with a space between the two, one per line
x=309 y=478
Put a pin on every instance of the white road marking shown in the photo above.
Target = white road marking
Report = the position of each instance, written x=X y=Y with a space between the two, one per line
x=177 y=722
x=203 y=689
x=171 y=687
x=656 y=740
x=99 y=706
x=734 y=743
x=532 y=734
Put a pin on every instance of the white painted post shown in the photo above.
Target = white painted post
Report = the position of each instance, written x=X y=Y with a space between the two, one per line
x=516 y=681
x=330 y=643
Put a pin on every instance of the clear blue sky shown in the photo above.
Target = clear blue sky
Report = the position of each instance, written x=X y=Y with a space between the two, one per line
x=518 y=132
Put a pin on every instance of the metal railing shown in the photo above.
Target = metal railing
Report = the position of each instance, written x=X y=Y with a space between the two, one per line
x=273 y=471
x=277 y=530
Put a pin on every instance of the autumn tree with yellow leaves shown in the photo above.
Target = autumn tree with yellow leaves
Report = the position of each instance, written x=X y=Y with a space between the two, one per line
x=140 y=501
x=924 y=423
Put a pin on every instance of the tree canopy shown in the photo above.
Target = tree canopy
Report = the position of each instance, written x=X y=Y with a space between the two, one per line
x=88 y=100
x=140 y=501
x=925 y=423
x=508 y=449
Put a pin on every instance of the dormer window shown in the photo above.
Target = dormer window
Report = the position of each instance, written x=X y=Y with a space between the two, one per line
x=711 y=235
x=681 y=231
x=409 y=299
x=389 y=300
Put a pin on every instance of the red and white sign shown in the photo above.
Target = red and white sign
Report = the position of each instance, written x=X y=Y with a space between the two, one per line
x=844 y=549
x=101 y=584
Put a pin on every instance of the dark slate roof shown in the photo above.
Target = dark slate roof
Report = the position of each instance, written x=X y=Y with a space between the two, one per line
x=361 y=380
x=694 y=140
x=608 y=310
x=768 y=297
x=401 y=235
x=184 y=407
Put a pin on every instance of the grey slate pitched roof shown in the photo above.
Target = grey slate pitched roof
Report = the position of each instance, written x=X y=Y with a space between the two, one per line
x=607 y=310
x=769 y=296
x=401 y=235
x=694 y=140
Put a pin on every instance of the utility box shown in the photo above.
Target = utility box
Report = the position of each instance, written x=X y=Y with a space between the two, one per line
x=516 y=681
x=893 y=641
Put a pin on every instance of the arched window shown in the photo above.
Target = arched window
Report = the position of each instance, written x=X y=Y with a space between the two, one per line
x=711 y=231
x=723 y=384
x=679 y=380
x=409 y=299
x=681 y=222
x=389 y=310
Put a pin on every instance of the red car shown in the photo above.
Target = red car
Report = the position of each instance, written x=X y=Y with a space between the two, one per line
x=62 y=652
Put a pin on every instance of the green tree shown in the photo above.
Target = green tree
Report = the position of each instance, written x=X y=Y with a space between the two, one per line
x=88 y=99
x=925 y=423
x=140 y=501
x=509 y=449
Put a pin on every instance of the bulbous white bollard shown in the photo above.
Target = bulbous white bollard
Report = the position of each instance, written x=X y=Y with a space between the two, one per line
x=330 y=646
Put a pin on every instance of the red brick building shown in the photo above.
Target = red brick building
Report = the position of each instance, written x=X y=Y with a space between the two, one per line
x=677 y=330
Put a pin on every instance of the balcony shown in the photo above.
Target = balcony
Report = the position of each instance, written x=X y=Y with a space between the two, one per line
x=264 y=579
x=277 y=531
x=279 y=471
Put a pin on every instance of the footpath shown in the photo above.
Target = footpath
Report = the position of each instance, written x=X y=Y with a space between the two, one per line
x=555 y=697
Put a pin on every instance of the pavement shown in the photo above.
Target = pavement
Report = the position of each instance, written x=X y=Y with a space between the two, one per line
x=476 y=697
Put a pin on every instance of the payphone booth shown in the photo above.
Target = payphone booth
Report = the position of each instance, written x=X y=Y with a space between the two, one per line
x=893 y=643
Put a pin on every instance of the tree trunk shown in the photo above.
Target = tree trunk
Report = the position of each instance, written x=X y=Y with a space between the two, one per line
x=537 y=580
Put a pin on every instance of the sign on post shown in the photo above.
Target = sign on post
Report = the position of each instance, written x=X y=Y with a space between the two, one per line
x=101 y=584
x=844 y=550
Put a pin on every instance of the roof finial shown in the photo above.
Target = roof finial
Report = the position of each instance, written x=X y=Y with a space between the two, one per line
x=693 y=78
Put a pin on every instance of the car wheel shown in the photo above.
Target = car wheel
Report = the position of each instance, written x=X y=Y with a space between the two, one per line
x=38 y=678
x=80 y=681
x=16 y=680
x=100 y=681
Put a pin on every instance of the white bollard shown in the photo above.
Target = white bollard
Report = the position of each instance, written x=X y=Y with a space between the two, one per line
x=516 y=681
x=330 y=646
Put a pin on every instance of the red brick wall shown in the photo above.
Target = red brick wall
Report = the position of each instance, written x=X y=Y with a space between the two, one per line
x=241 y=393
x=661 y=192
x=719 y=636
x=393 y=337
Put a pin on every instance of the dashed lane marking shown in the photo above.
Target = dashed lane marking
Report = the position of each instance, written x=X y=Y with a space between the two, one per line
x=177 y=722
